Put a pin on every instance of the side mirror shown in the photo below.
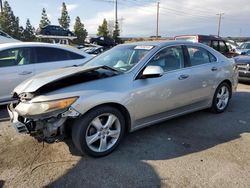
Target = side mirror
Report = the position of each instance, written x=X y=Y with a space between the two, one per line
x=152 y=72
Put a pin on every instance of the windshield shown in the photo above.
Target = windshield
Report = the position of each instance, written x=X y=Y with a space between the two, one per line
x=245 y=46
x=121 y=58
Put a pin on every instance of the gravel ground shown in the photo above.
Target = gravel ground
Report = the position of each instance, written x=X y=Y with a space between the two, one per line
x=197 y=150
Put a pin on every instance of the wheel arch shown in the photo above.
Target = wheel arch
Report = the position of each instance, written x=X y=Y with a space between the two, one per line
x=230 y=85
x=121 y=108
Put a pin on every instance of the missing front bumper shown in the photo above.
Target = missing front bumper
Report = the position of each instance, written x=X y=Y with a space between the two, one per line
x=14 y=118
x=49 y=128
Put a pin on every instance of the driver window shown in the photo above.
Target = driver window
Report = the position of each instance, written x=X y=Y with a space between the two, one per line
x=169 y=59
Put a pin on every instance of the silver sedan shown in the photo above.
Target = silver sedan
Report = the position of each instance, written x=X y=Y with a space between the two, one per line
x=124 y=89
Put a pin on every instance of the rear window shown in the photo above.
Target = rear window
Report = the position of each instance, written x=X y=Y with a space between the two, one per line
x=199 y=56
x=46 y=54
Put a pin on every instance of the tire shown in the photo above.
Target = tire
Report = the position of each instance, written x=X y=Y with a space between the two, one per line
x=221 y=98
x=91 y=127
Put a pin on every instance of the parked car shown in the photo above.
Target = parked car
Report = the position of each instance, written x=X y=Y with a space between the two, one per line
x=106 y=42
x=243 y=48
x=94 y=50
x=54 y=30
x=19 y=61
x=216 y=43
x=243 y=64
x=5 y=38
x=123 y=89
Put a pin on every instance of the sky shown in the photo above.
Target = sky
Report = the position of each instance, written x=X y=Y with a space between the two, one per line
x=139 y=16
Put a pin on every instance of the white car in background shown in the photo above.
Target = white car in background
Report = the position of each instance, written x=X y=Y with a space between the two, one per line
x=5 y=38
x=243 y=48
x=19 y=61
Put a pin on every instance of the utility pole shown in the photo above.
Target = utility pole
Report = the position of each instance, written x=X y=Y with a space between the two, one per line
x=157 y=21
x=116 y=31
x=116 y=14
x=1 y=5
x=220 y=17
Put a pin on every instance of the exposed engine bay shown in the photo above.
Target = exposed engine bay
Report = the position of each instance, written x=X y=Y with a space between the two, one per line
x=50 y=126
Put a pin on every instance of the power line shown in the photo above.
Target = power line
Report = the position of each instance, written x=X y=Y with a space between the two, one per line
x=164 y=12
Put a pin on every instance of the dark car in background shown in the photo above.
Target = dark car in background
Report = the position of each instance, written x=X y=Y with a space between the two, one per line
x=94 y=50
x=215 y=42
x=54 y=30
x=106 y=42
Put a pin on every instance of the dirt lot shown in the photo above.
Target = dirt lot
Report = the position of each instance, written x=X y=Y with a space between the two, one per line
x=198 y=150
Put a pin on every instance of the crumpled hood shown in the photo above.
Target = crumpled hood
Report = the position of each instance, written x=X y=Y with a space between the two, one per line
x=40 y=80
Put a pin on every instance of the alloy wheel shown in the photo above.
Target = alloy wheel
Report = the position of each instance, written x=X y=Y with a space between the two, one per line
x=103 y=132
x=222 y=98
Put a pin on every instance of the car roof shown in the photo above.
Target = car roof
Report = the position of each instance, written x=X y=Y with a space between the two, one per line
x=40 y=44
x=160 y=43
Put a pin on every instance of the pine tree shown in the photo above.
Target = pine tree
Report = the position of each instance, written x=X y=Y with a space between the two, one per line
x=44 y=19
x=80 y=31
x=28 y=32
x=116 y=33
x=64 y=21
x=103 y=29
x=9 y=23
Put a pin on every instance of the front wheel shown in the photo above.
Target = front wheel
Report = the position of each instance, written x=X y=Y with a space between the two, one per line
x=98 y=132
x=221 y=98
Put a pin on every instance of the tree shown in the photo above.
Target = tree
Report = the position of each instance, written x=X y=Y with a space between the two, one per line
x=28 y=33
x=116 y=33
x=9 y=23
x=80 y=31
x=103 y=29
x=64 y=21
x=110 y=27
x=44 y=19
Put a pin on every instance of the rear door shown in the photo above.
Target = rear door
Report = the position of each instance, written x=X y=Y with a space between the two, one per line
x=15 y=67
x=203 y=69
x=48 y=58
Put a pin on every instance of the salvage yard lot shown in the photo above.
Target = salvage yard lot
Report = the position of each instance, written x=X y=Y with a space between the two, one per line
x=197 y=150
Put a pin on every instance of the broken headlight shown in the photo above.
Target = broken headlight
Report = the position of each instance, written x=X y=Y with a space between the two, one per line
x=44 y=107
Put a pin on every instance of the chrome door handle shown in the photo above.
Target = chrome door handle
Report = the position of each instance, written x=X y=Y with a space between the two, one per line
x=214 y=69
x=184 y=76
x=25 y=73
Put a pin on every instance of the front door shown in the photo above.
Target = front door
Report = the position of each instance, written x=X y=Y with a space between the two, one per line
x=155 y=97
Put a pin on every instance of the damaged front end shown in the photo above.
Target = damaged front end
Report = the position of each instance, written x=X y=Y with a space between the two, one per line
x=43 y=120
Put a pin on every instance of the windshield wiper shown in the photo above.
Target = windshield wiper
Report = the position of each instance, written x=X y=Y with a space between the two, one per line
x=110 y=68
